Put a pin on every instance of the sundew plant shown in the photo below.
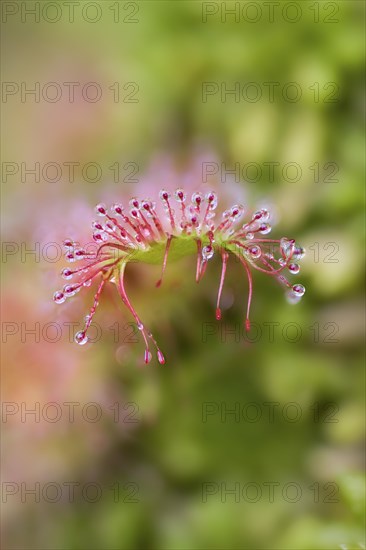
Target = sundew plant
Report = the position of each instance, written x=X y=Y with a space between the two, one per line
x=166 y=228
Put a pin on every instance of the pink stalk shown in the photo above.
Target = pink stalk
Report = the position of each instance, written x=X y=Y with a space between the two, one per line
x=250 y=292
x=225 y=257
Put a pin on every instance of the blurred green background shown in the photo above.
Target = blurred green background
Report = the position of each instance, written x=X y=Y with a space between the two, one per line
x=164 y=452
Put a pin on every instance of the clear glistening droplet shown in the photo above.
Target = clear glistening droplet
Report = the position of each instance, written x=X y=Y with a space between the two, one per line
x=81 y=338
x=294 y=268
x=197 y=198
x=66 y=273
x=180 y=195
x=117 y=209
x=298 y=290
x=212 y=200
x=236 y=212
x=101 y=209
x=255 y=252
x=70 y=257
x=164 y=195
x=285 y=246
x=265 y=228
x=299 y=253
x=207 y=252
x=59 y=297
x=69 y=290
x=68 y=243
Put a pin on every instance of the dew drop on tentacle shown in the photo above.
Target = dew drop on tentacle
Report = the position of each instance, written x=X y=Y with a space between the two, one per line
x=255 y=252
x=70 y=257
x=294 y=269
x=99 y=236
x=161 y=357
x=207 y=252
x=197 y=199
x=194 y=221
x=211 y=198
x=298 y=290
x=257 y=216
x=66 y=273
x=134 y=213
x=261 y=215
x=134 y=203
x=149 y=208
x=69 y=290
x=97 y=225
x=236 y=212
x=286 y=247
x=117 y=209
x=59 y=297
x=163 y=195
x=147 y=356
x=265 y=214
x=68 y=243
x=265 y=228
x=299 y=253
x=180 y=195
x=79 y=253
x=101 y=209
x=81 y=338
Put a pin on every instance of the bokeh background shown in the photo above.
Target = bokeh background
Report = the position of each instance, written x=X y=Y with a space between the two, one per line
x=152 y=451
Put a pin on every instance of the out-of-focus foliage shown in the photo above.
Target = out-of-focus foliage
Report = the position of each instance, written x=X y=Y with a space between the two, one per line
x=312 y=359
